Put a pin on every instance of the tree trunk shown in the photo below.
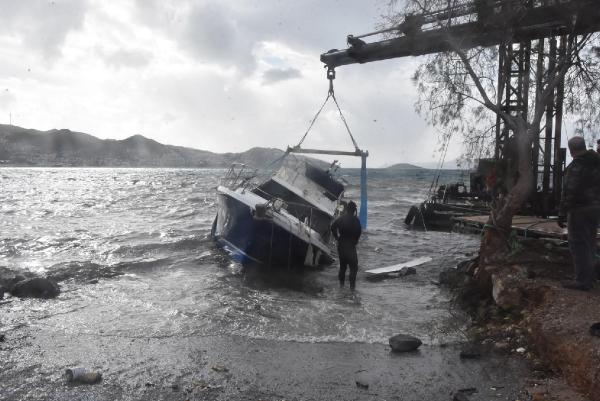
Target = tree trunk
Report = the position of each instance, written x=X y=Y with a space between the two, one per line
x=494 y=243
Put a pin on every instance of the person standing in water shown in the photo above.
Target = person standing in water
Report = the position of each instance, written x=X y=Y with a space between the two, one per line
x=346 y=230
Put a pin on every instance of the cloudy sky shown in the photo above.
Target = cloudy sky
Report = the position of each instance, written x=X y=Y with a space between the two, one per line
x=223 y=75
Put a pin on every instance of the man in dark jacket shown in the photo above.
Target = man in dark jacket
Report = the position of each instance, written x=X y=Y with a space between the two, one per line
x=580 y=208
x=346 y=230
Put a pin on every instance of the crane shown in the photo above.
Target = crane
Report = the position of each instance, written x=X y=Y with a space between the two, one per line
x=474 y=23
x=512 y=25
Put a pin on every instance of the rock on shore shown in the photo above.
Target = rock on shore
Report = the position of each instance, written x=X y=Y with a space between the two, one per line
x=404 y=343
x=26 y=284
x=37 y=287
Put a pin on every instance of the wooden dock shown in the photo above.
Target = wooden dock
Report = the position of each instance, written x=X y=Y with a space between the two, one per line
x=525 y=226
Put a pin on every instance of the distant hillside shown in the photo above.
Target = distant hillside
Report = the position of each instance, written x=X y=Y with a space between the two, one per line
x=404 y=166
x=448 y=165
x=29 y=147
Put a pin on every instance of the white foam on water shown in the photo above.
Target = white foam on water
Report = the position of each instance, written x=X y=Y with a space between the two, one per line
x=159 y=275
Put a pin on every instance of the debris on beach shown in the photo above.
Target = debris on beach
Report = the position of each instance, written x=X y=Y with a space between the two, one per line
x=82 y=376
x=402 y=269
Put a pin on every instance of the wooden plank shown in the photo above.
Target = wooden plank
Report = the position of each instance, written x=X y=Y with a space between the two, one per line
x=524 y=225
x=398 y=267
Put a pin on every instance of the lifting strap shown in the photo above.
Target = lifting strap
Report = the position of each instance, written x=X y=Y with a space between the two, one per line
x=362 y=216
x=330 y=95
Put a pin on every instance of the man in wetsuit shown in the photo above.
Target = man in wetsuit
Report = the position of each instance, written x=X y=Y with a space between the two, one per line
x=346 y=230
x=580 y=209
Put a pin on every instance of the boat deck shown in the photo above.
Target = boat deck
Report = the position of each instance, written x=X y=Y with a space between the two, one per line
x=526 y=226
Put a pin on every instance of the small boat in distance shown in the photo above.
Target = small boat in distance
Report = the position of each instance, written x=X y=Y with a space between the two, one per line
x=283 y=221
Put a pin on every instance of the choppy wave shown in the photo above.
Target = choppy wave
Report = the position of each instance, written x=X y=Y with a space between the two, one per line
x=131 y=250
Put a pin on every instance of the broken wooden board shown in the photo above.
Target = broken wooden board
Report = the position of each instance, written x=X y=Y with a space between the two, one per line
x=398 y=267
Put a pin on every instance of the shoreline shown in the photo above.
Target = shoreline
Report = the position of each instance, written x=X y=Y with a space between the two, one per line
x=536 y=333
x=233 y=367
x=240 y=368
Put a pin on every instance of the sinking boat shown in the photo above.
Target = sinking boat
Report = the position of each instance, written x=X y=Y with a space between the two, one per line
x=284 y=220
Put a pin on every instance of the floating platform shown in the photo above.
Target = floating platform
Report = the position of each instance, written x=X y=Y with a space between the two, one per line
x=525 y=226
x=441 y=216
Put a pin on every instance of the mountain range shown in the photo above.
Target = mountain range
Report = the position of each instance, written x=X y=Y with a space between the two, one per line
x=30 y=147
x=65 y=148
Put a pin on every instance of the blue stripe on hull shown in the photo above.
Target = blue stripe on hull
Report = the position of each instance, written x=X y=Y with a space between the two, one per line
x=250 y=240
x=236 y=253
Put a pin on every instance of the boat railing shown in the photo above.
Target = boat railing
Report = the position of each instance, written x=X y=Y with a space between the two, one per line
x=239 y=175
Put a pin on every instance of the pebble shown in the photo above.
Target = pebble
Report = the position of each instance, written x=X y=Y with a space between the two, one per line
x=360 y=383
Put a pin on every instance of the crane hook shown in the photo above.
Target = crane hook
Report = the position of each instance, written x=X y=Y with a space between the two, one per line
x=330 y=77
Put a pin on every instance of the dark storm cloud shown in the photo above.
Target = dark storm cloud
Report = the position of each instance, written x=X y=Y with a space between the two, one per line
x=42 y=25
x=227 y=32
x=310 y=25
x=211 y=32
x=206 y=73
x=280 y=74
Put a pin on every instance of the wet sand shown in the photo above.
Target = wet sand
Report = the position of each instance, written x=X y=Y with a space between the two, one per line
x=239 y=368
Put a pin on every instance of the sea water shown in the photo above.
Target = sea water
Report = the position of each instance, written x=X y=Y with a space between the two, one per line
x=131 y=251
